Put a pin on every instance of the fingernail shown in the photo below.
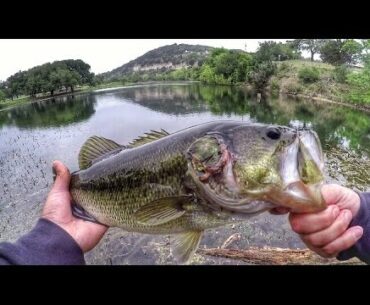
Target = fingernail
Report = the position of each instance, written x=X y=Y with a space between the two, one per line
x=357 y=232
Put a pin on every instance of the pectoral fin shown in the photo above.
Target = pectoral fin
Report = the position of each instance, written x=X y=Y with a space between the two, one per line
x=185 y=244
x=161 y=211
x=80 y=212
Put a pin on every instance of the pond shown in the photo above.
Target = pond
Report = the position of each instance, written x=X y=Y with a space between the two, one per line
x=33 y=135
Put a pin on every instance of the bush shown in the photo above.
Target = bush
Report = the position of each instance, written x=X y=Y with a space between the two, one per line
x=2 y=96
x=319 y=88
x=275 y=88
x=359 y=85
x=340 y=74
x=261 y=74
x=293 y=88
x=309 y=75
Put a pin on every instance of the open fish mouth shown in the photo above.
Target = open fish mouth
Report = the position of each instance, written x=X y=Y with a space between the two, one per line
x=301 y=168
x=301 y=165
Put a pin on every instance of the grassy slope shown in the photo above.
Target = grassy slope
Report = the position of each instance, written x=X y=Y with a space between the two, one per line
x=326 y=87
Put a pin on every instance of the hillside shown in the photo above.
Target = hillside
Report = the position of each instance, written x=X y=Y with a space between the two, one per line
x=170 y=57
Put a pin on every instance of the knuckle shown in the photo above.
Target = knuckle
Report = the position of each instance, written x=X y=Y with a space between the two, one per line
x=327 y=219
x=296 y=224
x=311 y=239
x=330 y=251
x=324 y=254
x=343 y=225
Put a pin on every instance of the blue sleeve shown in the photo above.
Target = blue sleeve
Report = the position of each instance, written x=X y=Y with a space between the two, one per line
x=361 y=249
x=45 y=244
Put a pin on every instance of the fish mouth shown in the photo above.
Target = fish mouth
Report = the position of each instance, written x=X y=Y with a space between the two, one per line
x=301 y=169
x=301 y=165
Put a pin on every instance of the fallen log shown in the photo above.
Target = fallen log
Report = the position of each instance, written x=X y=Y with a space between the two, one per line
x=277 y=256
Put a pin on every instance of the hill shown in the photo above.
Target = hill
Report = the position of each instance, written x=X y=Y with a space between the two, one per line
x=166 y=58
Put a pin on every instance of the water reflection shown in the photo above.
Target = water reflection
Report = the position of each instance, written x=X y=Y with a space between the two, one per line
x=51 y=113
x=334 y=124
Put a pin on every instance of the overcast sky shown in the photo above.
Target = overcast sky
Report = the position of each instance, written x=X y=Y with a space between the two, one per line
x=101 y=54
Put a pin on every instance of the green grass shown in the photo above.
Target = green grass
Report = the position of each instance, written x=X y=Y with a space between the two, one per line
x=17 y=101
x=287 y=79
x=82 y=89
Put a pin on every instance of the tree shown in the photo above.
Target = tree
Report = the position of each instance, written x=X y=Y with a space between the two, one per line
x=50 y=77
x=341 y=51
x=261 y=74
x=225 y=67
x=2 y=95
x=311 y=45
x=273 y=51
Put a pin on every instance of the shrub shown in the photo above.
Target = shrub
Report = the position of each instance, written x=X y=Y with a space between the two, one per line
x=275 y=87
x=309 y=75
x=261 y=74
x=293 y=88
x=340 y=74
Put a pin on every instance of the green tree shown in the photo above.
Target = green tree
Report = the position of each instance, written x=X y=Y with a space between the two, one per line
x=225 y=67
x=311 y=45
x=207 y=74
x=50 y=77
x=273 y=51
x=2 y=96
x=341 y=51
x=261 y=74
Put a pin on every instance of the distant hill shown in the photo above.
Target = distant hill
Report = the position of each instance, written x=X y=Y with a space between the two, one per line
x=163 y=59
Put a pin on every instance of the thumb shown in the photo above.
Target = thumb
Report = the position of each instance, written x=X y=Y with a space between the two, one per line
x=63 y=177
x=343 y=197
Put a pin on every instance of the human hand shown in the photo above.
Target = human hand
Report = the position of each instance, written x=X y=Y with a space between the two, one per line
x=327 y=232
x=58 y=210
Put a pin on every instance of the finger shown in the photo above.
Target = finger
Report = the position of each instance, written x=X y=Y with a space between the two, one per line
x=330 y=234
x=279 y=211
x=313 y=222
x=63 y=177
x=332 y=193
x=343 y=197
x=344 y=242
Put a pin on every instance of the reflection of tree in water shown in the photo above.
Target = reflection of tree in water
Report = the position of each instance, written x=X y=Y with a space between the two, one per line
x=226 y=100
x=54 y=112
x=171 y=99
x=334 y=124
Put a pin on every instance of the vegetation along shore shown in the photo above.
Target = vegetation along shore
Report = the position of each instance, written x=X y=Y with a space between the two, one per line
x=342 y=75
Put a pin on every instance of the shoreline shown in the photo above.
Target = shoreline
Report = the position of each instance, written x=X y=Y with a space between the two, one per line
x=330 y=101
x=359 y=107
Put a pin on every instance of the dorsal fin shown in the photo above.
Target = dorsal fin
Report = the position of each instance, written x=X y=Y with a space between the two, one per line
x=148 y=137
x=94 y=148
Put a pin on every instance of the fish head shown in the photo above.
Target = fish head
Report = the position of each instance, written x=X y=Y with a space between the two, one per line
x=251 y=168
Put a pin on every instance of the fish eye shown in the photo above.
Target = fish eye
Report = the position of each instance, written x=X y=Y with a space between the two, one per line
x=273 y=133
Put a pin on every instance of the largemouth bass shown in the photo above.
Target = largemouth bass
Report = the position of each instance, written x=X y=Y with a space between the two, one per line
x=198 y=178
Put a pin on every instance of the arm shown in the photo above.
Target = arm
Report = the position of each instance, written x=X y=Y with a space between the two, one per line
x=46 y=244
x=58 y=238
